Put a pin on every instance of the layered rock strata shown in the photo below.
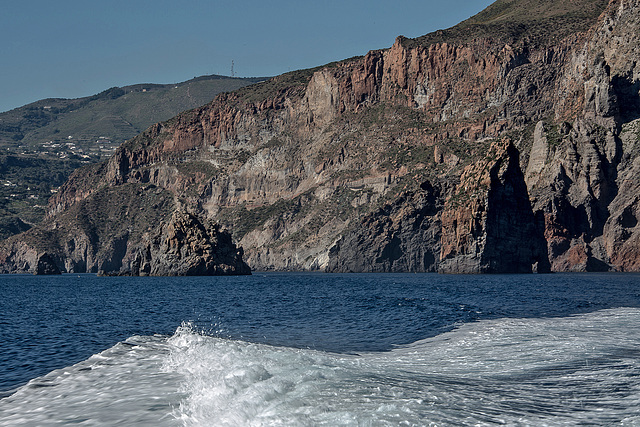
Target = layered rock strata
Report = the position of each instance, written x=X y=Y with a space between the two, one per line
x=508 y=143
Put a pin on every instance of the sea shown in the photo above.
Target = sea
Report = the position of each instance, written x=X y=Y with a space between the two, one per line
x=307 y=349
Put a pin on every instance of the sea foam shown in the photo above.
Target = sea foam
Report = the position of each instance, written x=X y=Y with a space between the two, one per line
x=550 y=371
x=124 y=385
x=555 y=371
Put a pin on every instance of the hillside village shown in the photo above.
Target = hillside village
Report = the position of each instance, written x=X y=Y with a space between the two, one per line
x=43 y=142
x=80 y=148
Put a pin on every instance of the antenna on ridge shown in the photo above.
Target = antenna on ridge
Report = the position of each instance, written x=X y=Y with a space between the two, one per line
x=232 y=73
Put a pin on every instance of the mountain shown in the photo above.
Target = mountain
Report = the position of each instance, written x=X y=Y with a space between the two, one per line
x=508 y=143
x=96 y=125
x=43 y=142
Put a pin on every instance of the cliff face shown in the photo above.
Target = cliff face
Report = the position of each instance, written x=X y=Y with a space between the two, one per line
x=401 y=236
x=185 y=246
x=581 y=172
x=506 y=144
x=488 y=225
x=131 y=229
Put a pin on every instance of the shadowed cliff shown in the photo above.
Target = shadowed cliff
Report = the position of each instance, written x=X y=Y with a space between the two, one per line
x=508 y=143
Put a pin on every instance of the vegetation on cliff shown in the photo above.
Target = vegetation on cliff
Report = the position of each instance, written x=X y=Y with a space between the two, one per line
x=26 y=183
x=505 y=144
x=108 y=118
x=523 y=23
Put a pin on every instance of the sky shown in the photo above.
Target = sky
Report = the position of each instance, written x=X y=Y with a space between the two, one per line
x=75 y=48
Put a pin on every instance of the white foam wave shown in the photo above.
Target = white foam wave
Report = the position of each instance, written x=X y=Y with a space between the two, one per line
x=514 y=371
x=123 y=385
x=567 y=371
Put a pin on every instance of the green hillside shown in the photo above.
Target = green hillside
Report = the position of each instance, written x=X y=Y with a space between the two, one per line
x=26 y=183
x=92 y=127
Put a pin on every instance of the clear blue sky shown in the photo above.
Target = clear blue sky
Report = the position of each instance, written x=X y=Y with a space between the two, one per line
x=74 y=48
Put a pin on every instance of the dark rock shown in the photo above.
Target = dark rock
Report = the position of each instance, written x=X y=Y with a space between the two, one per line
x=188 y=245
x=402 y=236
x=46 y=266
x=488 y=225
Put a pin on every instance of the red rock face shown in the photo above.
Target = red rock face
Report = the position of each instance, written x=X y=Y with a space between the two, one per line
x=311 y=166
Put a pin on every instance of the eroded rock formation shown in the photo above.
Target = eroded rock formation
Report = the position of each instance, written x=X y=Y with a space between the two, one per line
x=488 y=225
x=130 y=229
x=508 y=143
x=187 y=245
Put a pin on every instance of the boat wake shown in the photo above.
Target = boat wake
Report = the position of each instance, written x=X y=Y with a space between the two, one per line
x=553 y=371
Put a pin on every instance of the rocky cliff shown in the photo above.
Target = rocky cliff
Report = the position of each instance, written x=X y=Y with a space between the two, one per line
x=43 y=142
x=508 y=143
x=488 y=224
x=131 y=229
x=186 y=245
x=403 y=235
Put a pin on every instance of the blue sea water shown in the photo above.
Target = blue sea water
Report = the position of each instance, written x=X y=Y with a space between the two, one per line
x=320 y=349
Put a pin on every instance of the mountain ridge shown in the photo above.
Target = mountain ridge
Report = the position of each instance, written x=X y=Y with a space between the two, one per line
x=46 y=119
x=472 y=156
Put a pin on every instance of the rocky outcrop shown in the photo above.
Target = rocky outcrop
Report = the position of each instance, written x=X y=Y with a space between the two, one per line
x=581 y=171
x=573 y=191
x=23 y=258
x=402 y=236
x=407 y=159
x=187 y=245
x=488 y=225
x=129 y=229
